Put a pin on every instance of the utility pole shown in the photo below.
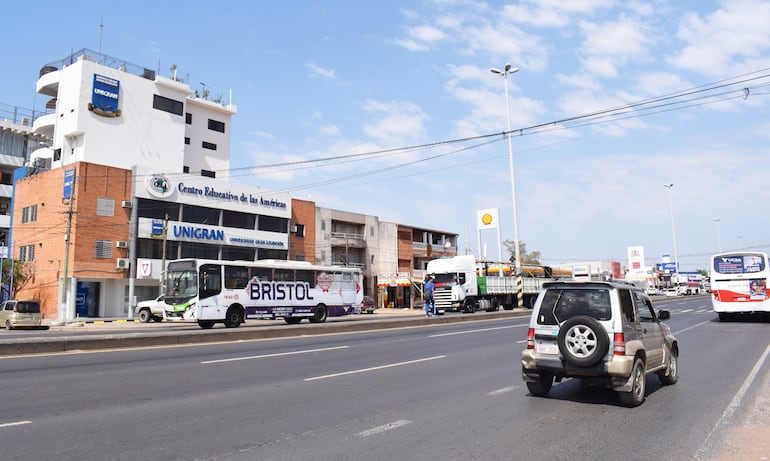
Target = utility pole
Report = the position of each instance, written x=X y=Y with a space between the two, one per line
x=162 y=284
x=69 y=194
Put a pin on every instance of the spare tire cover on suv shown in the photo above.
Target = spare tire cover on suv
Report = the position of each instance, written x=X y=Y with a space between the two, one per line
x=583 y=341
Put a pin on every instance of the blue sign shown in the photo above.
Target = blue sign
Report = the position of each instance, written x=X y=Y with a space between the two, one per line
x=69 y=181
x=157 y=228
x=668 y=267
x=105 y=96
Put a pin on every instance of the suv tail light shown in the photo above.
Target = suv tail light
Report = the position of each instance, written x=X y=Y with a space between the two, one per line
x=531 y=338
x=619 y=344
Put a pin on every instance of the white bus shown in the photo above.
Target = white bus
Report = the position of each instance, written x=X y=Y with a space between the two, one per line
x=739 y=283
x=212 y=291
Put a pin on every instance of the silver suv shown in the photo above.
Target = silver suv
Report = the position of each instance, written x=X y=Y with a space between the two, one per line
x=602 y=332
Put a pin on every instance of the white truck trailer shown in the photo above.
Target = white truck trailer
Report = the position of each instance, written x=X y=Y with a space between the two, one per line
x=464 y=284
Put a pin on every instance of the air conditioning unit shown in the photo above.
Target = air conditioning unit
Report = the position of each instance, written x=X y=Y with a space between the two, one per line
x=293 y=228
x=122 y=263
x=121 y=244
x=25 y=121
x=126 y=204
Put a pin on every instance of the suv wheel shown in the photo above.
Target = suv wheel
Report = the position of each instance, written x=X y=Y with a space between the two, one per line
x=542 y=386
x=671 y=374
x=635 y=397
x=145 y=315
x=583 y=341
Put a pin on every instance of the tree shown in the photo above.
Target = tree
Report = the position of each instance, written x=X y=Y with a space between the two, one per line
x=526 y=257
x=23 y=273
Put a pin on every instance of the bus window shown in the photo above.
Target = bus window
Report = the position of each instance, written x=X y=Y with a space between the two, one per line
x=236 y=277
x=306 y=276
x=263 y=274
x=283 y=275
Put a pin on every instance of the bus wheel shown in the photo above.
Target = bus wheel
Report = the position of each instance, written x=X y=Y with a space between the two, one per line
x=292 y=320
x=234 y=317
x=319 y=316
x=205 y=324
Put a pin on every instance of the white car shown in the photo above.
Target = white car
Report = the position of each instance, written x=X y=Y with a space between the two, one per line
x=671 y=292
x=151 y=309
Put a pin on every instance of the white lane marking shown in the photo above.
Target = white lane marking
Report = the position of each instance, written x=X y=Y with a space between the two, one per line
x=281 y=354
x=364 y=370
x=685 y=310
x=734 y=404
x=474 y=331
x=15 y=423
x=503 y=390
x=693 y=326
x=383 y=428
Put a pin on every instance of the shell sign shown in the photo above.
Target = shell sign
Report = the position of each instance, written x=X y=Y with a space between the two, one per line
x=487 y=219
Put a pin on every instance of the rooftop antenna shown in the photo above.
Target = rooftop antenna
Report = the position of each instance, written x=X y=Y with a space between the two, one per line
x=101 y=29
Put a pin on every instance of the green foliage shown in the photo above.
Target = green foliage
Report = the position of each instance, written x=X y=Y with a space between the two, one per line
x=23 y=272
x=532 y=257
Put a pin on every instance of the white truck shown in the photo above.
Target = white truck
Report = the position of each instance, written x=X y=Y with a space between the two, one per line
x=462 y=283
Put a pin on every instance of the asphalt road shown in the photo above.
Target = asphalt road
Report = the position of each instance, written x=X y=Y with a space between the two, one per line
x=441 y=391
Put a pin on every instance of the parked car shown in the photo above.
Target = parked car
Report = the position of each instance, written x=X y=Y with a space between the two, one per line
x=369 y=305
x=600 y=332
x=151 y=309
x=15 y=314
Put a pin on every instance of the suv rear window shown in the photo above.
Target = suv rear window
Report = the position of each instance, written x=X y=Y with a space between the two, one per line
x=28 y=307
x=560 y=304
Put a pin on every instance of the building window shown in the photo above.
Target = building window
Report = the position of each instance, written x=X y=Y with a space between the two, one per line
x=200 y=215
x=105 y=206
x=273 y=224
x=157 y=209
x=185 y=169
x=187 y=140
x=231 y=253
x=27 y=253
x=299 y=257
x=209 y=145
x=323 y=224
x=208 y=174
x=29 y=214
x=238 y=219
x=215 y=125
x=188 y=118
x=103 y=249
x=171 y=106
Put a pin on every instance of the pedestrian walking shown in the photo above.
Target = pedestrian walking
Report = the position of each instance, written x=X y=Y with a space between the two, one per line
x=430 y=306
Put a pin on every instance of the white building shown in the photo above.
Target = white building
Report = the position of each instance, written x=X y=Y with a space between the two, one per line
x=167 y=154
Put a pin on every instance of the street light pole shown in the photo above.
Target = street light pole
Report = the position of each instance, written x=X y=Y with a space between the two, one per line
x=719 y=235
x=673 y=233
x=510 y=70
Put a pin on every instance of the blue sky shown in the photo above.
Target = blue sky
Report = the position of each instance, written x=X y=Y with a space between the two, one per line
x=321 y=79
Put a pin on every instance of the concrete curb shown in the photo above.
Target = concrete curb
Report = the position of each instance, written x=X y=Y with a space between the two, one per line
x=43 y=345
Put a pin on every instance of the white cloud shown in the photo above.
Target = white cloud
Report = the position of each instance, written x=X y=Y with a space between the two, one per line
x=726 y=40
x=395 y=123
x=319 y=71
x=330 y=129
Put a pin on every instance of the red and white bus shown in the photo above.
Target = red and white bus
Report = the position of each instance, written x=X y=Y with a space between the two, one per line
x=213 y=291
x=739 y=283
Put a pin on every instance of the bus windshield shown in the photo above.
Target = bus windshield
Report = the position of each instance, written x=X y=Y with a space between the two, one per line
x=181 y=281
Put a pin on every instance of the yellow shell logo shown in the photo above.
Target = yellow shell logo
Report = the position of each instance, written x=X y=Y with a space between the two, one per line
x=486 y=219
